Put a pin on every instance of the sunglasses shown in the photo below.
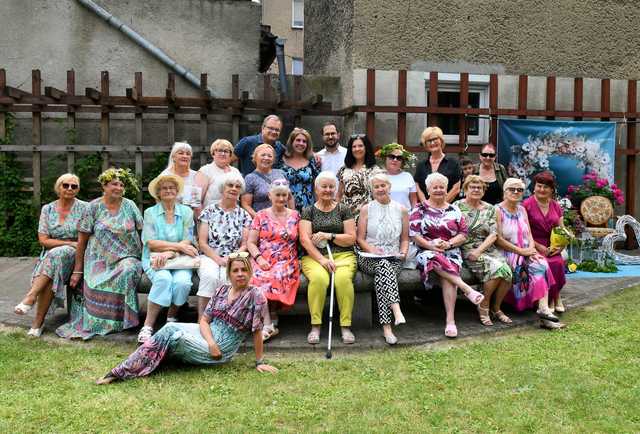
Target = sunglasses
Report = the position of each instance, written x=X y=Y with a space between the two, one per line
x=395 y=157
x=236 y=255
x=487 y=154
x=357 y=136
x=68 y=186
x=515 y=190
x=280 y=183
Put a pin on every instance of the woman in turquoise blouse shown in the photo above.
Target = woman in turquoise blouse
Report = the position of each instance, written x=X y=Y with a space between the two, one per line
x=167 y=232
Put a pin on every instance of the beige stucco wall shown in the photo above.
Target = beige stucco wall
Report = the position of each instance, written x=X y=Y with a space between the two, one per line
x=219 y=37
x=278 y=15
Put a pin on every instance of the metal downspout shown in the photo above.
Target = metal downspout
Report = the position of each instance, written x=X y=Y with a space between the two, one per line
x=148 y=46
x=282 y=68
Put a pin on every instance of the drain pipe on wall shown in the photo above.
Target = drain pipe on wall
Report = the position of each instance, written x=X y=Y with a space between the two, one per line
x=282 y=68
x=148 y=46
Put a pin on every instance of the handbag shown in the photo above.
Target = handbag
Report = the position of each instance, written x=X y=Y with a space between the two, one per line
x=521 y=279
x=180 y=262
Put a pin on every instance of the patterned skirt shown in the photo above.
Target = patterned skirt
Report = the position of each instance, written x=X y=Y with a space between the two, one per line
x=449 y=261
x=109 y=307
x=57 y=264
x=180 y=341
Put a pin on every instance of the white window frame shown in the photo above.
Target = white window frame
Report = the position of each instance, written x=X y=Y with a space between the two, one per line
x=477 y=83
x=300 y=62
x=296 y=24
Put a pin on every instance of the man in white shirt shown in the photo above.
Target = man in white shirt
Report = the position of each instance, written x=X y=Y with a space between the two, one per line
x=332 y=156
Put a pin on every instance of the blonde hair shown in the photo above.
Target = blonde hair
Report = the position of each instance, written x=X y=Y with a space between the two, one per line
x=245 y=261
x=221 y=144
x=260 y=148
x=430 y=131
x=178 y=146
x=435 y=177
x=473 y=179
x=65 y=177
x=512 y=182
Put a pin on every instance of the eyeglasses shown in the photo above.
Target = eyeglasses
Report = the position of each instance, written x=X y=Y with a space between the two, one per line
x=68 y=186
x=487 y=154
x=222 y=151
x=395 y=157
x=330 y=134
x=280 y=183
x=236 y=255
x=273 y=129
x=476 y=187
x=515 y=190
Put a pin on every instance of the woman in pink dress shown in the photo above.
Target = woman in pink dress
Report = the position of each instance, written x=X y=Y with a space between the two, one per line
x=544 y=214
x=272 y=244
x=514 y=237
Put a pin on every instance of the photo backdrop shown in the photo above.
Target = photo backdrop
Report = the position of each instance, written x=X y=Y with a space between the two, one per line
x=567 y=148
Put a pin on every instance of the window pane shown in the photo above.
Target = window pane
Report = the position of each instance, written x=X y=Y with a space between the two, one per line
x=297 y=66
x=298 y=13
x=450 y=123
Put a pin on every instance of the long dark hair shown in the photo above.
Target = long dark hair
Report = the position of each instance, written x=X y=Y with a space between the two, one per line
x=369 y=156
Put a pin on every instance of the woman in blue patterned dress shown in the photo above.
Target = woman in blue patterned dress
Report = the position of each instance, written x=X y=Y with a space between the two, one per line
x=300 y=167
x=167 y=232
x=58 y=234
x=108 y=259
x=439 y=229
x=233 y=312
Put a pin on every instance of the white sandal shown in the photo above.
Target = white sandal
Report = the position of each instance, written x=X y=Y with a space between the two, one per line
x=35 y=333
x=145 y=334
x=268 y=332
x=22 y=309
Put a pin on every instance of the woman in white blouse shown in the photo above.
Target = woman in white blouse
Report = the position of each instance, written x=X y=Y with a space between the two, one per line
x=383 y=237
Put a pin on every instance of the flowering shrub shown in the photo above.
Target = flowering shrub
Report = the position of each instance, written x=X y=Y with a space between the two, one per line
x=593 y=185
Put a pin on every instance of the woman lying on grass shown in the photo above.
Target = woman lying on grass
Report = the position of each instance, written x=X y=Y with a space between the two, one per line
x=234 y=311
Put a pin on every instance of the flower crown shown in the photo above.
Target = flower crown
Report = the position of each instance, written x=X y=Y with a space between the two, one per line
x=409 y=158
x=125 y=175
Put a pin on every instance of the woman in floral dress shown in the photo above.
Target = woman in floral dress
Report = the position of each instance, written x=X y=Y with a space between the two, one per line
x=514 y=236
x=223 y=229
x=480 y=255
x=58 y=234
x=108 y=253
x=233 y=313
x=273 y=246
x=439 y=229
x=300 y=167
x=354 y=177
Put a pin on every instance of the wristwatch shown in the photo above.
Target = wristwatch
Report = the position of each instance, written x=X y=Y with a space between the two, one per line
x=333 y=237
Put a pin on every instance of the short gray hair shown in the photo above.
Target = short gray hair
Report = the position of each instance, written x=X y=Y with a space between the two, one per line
x=328 y=175
x=229 y=178
x=512 y=182
x=380 y=176
x=269 y=118
x=435 y=177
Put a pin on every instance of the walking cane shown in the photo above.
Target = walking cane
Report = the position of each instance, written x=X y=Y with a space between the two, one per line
x=330 y=304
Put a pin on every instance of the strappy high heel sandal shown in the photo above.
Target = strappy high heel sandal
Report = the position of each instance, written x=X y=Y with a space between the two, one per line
x=485 y=319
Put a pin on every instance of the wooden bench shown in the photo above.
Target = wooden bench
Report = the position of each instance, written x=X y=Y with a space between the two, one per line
x=364 y=309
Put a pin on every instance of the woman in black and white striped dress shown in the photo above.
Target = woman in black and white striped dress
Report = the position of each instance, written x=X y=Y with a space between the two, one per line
x=383 y=237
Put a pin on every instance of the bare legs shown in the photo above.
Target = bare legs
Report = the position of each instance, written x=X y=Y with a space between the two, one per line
x=40 y=293
x=202 y=304
x=153 y=310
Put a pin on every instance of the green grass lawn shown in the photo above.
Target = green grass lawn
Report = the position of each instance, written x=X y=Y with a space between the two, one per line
x=585 y=378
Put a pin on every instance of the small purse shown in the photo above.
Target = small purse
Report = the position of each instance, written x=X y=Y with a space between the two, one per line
x=180 y=262
x=521 y=279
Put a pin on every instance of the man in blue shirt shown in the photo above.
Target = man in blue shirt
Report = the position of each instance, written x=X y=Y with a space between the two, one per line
x=271 y=128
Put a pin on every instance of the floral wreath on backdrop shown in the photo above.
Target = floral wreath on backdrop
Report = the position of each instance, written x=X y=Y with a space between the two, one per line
x=533 y=156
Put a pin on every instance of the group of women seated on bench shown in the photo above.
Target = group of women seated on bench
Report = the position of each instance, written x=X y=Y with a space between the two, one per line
x=250 y=238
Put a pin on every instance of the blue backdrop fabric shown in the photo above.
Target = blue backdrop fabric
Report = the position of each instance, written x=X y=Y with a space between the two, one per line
x=568 y=148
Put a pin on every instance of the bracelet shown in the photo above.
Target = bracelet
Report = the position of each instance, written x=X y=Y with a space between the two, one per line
x=78 y=272
x=260 y=362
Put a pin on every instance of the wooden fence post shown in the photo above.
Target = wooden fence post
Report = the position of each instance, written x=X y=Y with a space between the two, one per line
x=203 y=124
x=371 y=102
x=104 y=118
x=36 y=135
x=3 y=117
x=402 y=102
x=464 y=102
x=137 y=91
x=71 y=132
x=630 y=206
x=171 y=116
